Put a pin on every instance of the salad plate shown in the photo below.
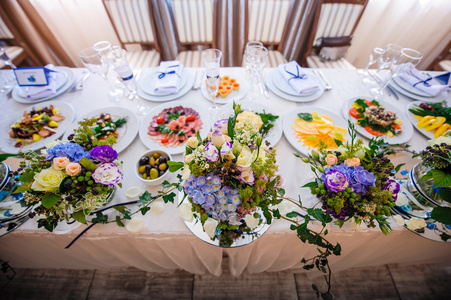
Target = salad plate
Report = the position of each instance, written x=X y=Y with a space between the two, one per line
x=406 y=126
x=65 y=80
x=8 y=144
x=290 y=133
x=274 y=134
x=414 y=96
x=234 y=95
x=169 y=141
x=126 y=133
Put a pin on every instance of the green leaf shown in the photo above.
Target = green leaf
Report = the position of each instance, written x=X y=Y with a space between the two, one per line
x=79 y=216
x=398 y=167
x=276 y=214
x=174 y=166
x=88 y=164
x=442 y=214
x=445 y=237
x=441 y=178
x=308 y=267
x=23 y=188
x=320 y=215
x=145 y=198
x=4 y=156
x=268 y=216
x=120 y=208
x=327 y=296
x=100 y=218
x=169 y=198
x=49 y=200
x=127 y=216
x=445 y=194
x=26 y=177
x=144 y=210
x=337 y=249
x=311 y=184
x=314 y=287
x=293 y=227
x=119 y=222
x=292 y=214
x=281 y=192
x=306 y=116
x=338 y=142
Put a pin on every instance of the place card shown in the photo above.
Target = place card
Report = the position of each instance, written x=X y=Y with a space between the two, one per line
x=32 y=76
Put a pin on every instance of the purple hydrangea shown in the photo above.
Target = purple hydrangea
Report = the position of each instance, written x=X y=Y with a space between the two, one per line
x=393 y=187
x=359 y=179
x=103 y=153
x=73 y=151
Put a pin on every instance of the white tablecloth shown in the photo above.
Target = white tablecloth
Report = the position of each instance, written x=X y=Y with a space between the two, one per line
x=167 y=244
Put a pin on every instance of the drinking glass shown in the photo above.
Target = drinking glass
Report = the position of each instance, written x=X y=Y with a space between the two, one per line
x=5 y=58
x=7 y=82
x=390 y=55
x=212 y=59
x=372 y=59
x=256 y=58
x=118 y=60
x=249 y=64
x=408 y=59
x=93 y=61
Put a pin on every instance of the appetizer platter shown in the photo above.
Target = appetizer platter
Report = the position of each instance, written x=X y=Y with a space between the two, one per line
x=230 y=88
x=378 y=119
x=35 y=126
x=310 y=127
x=168 y=126
x=431 y=119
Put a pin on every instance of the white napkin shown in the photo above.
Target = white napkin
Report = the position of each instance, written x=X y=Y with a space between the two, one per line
x=431 y=87
x=39 y=92
x=169 y=83
x=304 y=85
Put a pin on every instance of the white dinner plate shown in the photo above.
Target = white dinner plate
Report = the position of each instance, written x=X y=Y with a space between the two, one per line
x=233 y=96
x=408 y=87
x=439 y=98
x=150 y=144
x=147 y=82
x=20 y=97
x=274 y=133
x=288 y=119
x=282 y=84
x=269 y=81
x=407 y=128
x=127 y=132
x=162 y=98
x=8 y=143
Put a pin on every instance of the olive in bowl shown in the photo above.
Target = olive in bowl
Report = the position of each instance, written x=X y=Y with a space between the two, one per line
x=152 y=167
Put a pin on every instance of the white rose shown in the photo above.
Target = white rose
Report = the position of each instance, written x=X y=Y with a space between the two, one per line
x=192 y=142
x=415 y=223
x=185 y=173
x=399 y=220
x=210 y=227
x=185 y=212
x=157 y=206
x=246 y=157
x=135 y=225
x=251 y=222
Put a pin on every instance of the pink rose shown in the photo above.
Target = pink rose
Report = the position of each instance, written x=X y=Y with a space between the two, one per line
x=352 y=162
x=59 y=163
x=73 y=169
x=331 y=159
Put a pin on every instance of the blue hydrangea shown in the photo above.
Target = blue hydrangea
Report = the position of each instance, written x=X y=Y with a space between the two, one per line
x=359 y=178
x=73 y=151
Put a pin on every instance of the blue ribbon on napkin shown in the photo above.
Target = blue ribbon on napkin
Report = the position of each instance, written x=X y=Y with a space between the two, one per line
x=303 y=76
x=162 y=74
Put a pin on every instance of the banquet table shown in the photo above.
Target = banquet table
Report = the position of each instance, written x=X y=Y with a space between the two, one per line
x=166 y=243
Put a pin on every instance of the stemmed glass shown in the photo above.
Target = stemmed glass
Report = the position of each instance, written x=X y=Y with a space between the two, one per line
x=92 y=60
x=7 y=82
x=212 y=59
x=118 y=60
x=256 y=58
x=374 y=57
x=249 y=64
x=408 y=59
x=5 y=58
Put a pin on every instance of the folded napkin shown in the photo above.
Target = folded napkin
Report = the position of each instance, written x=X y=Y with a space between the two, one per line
x=423 y=82
x=297 y=78
x=169 y=77
x=39 y=92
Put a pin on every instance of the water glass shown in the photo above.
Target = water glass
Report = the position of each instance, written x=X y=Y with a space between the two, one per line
x=6 y=59
x=256 y=59
x=212 y=59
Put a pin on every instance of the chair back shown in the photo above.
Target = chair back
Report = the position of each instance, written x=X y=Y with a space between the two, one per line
x=132 y=22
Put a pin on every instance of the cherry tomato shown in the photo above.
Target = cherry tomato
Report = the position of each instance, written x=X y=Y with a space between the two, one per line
x=369 y=103
x=373 y=132
x=191 y=118
x=164 y=140
x=353 y=112
x=160 y=120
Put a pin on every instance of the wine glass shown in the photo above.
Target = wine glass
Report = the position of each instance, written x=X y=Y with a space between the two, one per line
x=256 y=58
x=7 y=82
x=92 y=60
x=408 y=59
x=390 y=55
x=372 y=59
x=212 y=59
x=118 y=60
x=5 y=58
x=249 y=64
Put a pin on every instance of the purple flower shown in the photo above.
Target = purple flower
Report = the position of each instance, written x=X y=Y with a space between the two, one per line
x=221 y=125
x=226 y=149
x=198 y=197
x=359 y=179
x=73 y=151
x=211 y=152
x=393 y=187
x=246 y=176
x=336 y=181
x=344 y=212
x=107 y=174
x=103 y=153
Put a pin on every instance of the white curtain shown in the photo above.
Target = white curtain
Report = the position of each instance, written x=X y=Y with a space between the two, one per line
x=423 y=25
x=420 y=24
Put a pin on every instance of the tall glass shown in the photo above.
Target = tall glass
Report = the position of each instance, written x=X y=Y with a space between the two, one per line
x=93 y=61
x=256 y=58
x=5 y=58
x=212 y=59
x=249 y=64
x=390 y=55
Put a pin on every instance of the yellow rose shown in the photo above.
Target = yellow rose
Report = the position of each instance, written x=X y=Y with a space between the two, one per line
x=73 y=169
x=60 y=163
x=246 y=157
x=192 y=142
x=331 y=159
x=352 y=162
x=48 y=180
x=252 y=117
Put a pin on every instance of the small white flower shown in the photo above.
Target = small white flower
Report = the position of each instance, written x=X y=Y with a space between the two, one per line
x=251 y=222
x=135 y=225
x=157 y=206
x=415 y=223
x=210 y=227
x=185 y=212
x=133 y=192
x=399 y=220
x=192 y=142
x=285 y=207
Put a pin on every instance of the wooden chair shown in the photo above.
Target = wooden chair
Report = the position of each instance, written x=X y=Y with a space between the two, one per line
x=134 y=27
x=334 y=18
x=192 y=22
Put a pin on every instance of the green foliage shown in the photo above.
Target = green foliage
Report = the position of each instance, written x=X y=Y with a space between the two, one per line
x=100 y=218
x=4 y=156
x=441 y=178
x=306 y=116
x=174 y=166
x=88 y=164
x=79 y=216
x=442 y=214
x=49 y=200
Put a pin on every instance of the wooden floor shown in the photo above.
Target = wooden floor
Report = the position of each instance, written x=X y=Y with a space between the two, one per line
x=427 y=281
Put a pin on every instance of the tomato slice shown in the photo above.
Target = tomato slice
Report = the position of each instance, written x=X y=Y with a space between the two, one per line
x=353 y=112
x=191 y=118
x=396 y=126
x=372 y=131
x=164 y=140
x=160 y=120
x=369 y=103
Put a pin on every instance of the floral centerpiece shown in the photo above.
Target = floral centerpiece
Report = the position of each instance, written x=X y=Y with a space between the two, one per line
x=230 y=178
x=66 y=181
x=354 y=182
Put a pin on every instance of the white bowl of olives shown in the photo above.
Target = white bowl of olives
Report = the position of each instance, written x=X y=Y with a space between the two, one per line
x=152 y=167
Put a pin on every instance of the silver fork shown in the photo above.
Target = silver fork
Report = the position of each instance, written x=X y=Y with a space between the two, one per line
x=328 y=86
